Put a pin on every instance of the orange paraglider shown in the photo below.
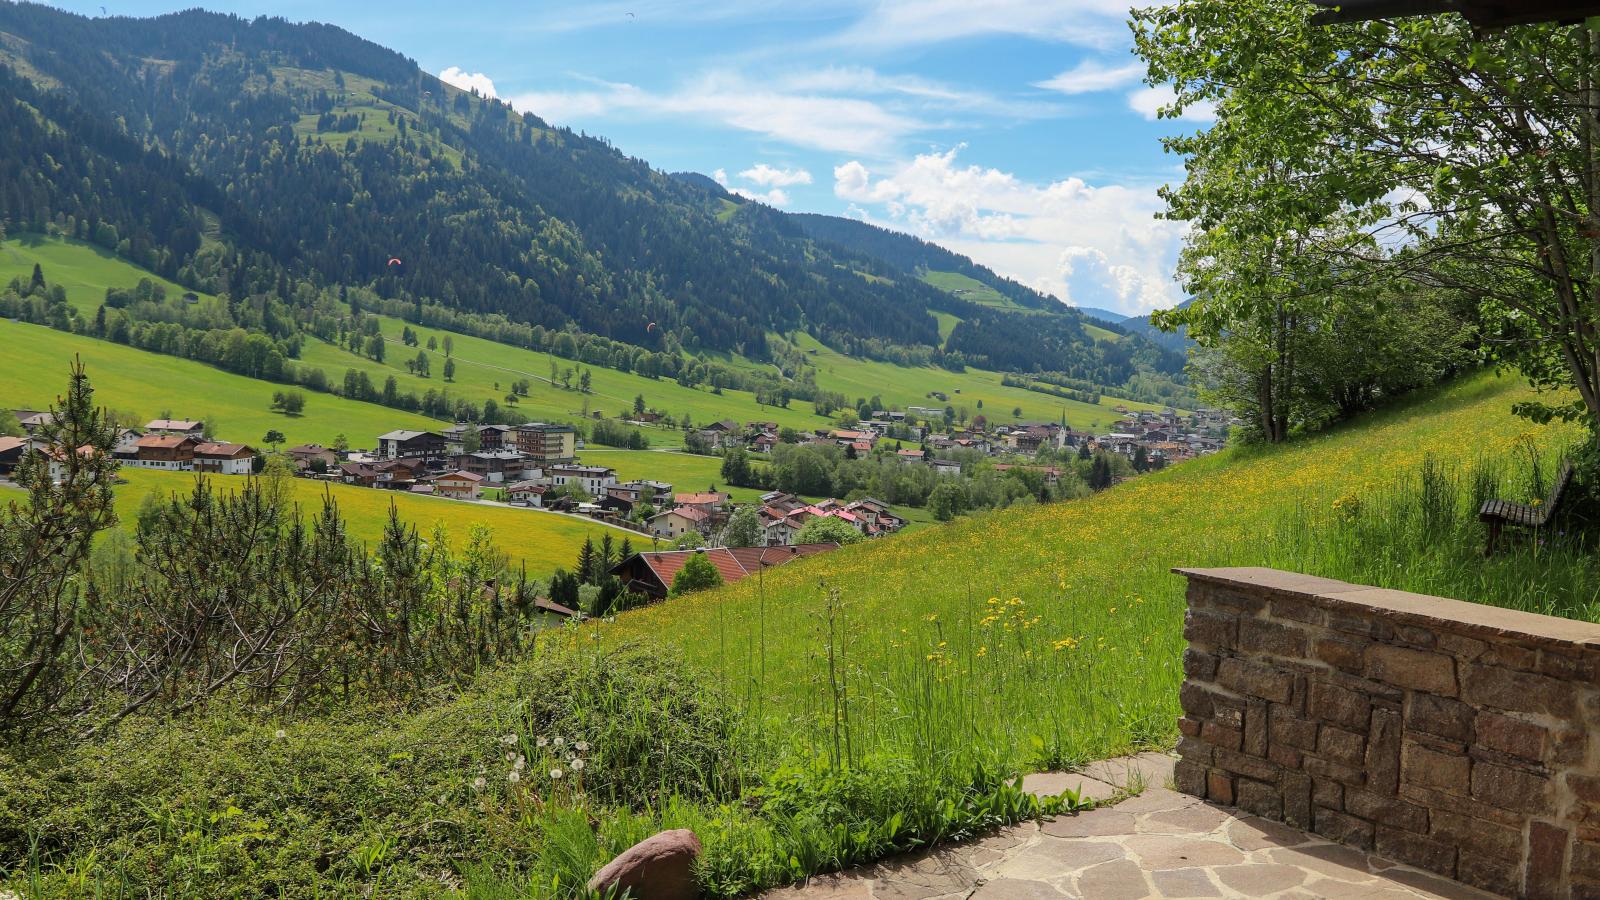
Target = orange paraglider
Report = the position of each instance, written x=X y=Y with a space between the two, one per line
x=394 y=260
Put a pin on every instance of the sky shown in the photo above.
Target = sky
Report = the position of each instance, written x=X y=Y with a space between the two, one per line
x=1017 y=132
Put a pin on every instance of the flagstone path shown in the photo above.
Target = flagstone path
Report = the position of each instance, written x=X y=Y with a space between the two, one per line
x=1158 y=844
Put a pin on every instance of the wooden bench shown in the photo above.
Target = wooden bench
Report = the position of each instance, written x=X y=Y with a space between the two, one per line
x=1497 y=514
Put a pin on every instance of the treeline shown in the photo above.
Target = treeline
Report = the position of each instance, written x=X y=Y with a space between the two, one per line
x=227 y=593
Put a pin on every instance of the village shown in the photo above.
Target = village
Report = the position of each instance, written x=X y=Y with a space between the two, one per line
x=539 y=465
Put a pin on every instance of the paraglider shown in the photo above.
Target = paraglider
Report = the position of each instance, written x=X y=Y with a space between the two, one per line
x=394 y=260
x=649 y=328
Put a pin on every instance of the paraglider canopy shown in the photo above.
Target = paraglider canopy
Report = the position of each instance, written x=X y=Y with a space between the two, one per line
x=394 y=260
x=649 y=328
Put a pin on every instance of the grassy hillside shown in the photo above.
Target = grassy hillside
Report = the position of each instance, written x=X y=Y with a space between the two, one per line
x=937 y=664
x=1053 y=633
x=543 y=541
x=148 y=384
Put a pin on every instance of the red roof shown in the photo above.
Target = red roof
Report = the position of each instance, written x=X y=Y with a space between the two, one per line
x=222 y=449
x=733 y=563
x=163 y=441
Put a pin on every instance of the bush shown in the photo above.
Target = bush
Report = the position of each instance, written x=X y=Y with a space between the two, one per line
x=828 y=530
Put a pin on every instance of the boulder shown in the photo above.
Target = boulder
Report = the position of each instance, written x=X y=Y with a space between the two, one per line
x=657 y=868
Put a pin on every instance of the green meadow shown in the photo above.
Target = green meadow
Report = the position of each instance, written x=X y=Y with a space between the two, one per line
x=147 y=385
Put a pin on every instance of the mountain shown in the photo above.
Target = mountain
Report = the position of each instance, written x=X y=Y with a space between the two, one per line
x=1102 y=315
x=266 y=159
x=1175 y=341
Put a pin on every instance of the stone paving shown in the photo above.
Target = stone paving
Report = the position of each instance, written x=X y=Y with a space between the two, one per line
x=1158 y=844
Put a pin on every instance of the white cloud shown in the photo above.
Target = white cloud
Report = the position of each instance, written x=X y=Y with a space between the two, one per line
x=899 y=23
x=1149 y=102
x=767 y=176
x=1088 y=245
x=461 y=78
x=1090 y=76
x=806 y=119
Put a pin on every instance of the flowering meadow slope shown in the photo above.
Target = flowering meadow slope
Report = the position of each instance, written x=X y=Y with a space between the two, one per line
x=1052 y=634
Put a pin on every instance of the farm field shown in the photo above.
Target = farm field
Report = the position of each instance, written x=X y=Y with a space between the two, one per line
x=542 y=541
x=33 y=371
x=1053 y=634
x=84 y=269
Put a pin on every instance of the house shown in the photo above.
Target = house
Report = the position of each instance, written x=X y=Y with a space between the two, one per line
x=1052 y=475
x=384 y=473
x=223 y=458
x=174 y=452
x=495 y=466
x=429 y=445
x=127 y=446
x=308 y=456
x=189 y=427
x=764 y=442
x=651 y=573
x=875 y=517
x=681 y=520
x=910 y=456
x=547 y=443
x=496 y=437
x=706 y=501
x=11 y=450
x=33 y=420
x=945 y=466
x=526 y=493
x=58 y=460
x=656 y=493
x=592 y=479
x=458 y=485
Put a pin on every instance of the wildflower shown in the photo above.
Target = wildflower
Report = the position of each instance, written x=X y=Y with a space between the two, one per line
x=280 y=735
x=522 y=763
x=513 y=776
x=543 y=742
x=509 y=740
x=581 y=746
x=559 y=742
x=932 y=617
x=576 y=764
x=556 y=773
x=479 y=783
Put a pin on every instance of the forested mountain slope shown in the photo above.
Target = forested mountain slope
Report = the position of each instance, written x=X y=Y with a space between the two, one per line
x=268 y=158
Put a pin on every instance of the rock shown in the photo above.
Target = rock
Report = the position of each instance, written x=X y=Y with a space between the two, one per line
x=656 y=868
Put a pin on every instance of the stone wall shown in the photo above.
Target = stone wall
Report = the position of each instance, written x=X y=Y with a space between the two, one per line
x=1448 y=735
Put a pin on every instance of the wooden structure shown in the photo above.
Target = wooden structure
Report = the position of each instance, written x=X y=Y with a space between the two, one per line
x=1481 y=13
x=1497 y=514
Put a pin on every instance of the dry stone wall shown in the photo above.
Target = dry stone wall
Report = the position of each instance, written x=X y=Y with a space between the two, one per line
x=1456 y=737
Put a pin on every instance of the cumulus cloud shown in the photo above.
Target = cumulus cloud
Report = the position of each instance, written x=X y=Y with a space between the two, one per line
x=1089 y=245
x=767 y=176
x=1149 y=102
x=1090 y=76
x=461 y=78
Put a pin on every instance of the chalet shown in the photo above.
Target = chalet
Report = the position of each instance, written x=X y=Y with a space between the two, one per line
x=651 y=573
x=223 y=458
x=845 y=438
x=495 y=466
x=174 y=452
x=58 y=460
x=592 y=479
x=705 y=501
x=33 y=421
x=656 y=493
x=778 y=527
x=11 y=450
x=126 y=447
x=527 y=493
x=875 y=516
x=458 y=485
x=455 y=438
x=945 y=466
x=313 y=456
x=681 y=520
x=428 y=445
x=384 y=473
x=910 y=456
x=497 y=437
x=764 y=442
x=188 y=427
x=547 y=443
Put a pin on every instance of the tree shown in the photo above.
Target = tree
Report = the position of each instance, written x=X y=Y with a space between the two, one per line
x=449 y=369
x=848 y=418
x=433 y=342
x=828 y=529
x=584 y=380
x=1471 y=151
x=341 y=443
x=638 y=406
x=698 y=574
x=43 y=544
x=36 y=283
x=374 y=347
x=947 y=500
x=743 y=529
x=1100 y=475
x=689 y=540
x=449 y=345
x=9 y=426
x=272 y=438
x=420 y=365
x=736 y=467
x=290 y=403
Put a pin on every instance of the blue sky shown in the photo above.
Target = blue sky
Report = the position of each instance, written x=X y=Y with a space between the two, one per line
x=1015 y=131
